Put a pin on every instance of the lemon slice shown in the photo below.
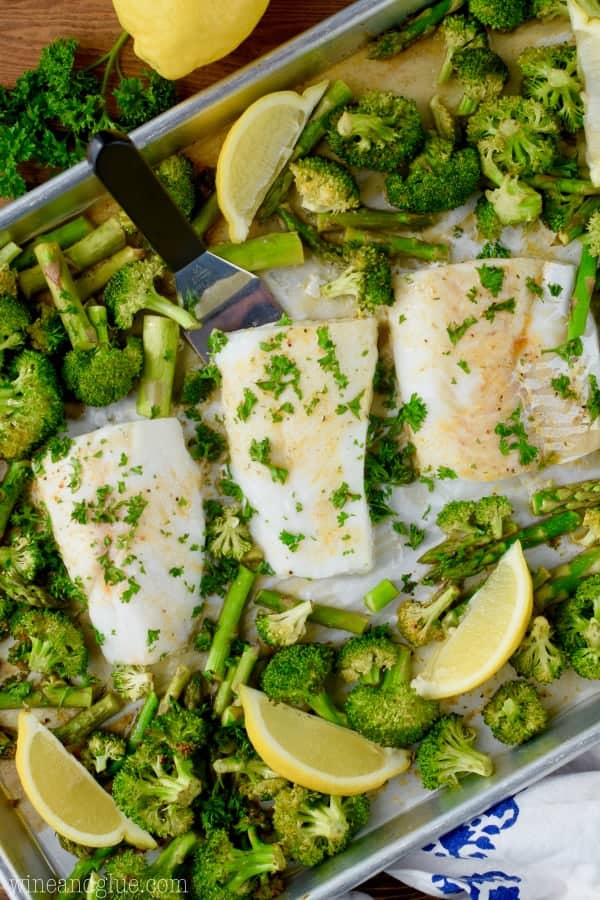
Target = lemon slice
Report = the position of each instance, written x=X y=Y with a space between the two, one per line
x=314 y=753
x=585 y=22
x=66 y=795
x=491 y=630
x=255 y=151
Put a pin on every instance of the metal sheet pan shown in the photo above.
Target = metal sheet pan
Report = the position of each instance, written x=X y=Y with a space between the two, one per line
x=25 y=869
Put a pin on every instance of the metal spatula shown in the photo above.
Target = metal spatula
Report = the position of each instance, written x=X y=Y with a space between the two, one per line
x=219 y=293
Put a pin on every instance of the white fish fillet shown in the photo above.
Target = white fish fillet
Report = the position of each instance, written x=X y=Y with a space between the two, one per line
x=474 y=384
x=141 y=579
x=314 y=436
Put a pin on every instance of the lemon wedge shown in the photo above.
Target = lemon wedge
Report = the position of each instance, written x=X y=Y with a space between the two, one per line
x=256 y=149
x=66 y=795
x=585 y=22
x=314 y=753
x=491 y=630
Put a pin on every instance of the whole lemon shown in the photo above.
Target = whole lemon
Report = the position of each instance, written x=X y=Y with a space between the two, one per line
x=177 y=36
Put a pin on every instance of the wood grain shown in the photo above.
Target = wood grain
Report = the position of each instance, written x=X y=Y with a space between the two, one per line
x=26 y=26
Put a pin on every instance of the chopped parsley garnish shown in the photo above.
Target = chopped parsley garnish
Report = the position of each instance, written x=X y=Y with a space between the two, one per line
x=285 y=409
x=292 y=541
x=593 y=401
x=415 y=535
x=329 y=362
x=494 y=308
x=207 y=444
x=414 y=412
x=260 y=452
x=569 y=351
x=388 y=463
x=472 y=294
x=491 y=278
x=562 y=386
x=281 y=372
x=352 y=406
x=216 y=341
x=274 y=343
x=152 y=636
x=444 y=473
x=74 y=482
x=457 y=331
x=342 y=495
x=555 y=290
x=514 y=429
x=464 y=365
x=246 y=406
x=533 y=287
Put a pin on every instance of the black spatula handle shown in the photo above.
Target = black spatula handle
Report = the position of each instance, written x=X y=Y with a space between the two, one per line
x=127 y=176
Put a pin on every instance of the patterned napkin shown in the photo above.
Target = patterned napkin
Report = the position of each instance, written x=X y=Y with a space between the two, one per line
x=541 y=844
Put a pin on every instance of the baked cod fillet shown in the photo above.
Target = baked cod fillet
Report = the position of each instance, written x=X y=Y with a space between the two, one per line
x=127 y=515
x=296 y=400
x=469 y=339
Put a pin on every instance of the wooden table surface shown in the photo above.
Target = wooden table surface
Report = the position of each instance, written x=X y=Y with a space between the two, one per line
x=28 y=25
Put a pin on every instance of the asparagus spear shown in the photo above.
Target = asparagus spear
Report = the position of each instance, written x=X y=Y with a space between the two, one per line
x=80 y=330
x=310 y=236
x=208 y=215
x=577 y=495
x=327 y=616
x=65 y=236
x=238 y=673
x=8 y=253
x=370 y=218
x=582 y=293
x=160 y=338
x=397 y=244
x=461 y=565
x=97 y=276
x=87 y=720
x=564 y=579
x=56 y=695
x=392 y=42
x=269 y=251
x=231 y=612
x=578 y=221
x=337 y=95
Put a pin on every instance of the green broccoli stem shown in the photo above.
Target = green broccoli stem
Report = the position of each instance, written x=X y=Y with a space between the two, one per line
x=160 y=338
x=103 y=241
x=309 y=235
x=564 y=579
x=207 y=216
x=83 y=723
x=400 y=673
x=261 y=859
x=96 y=277
x=148 y=711
x=81 y=872
x=227 y=625
x=65 y=236
x=578 y=222
x=585 y=284
x=379 y=596
x=99 y=319
x=179 y=681
x=327 y=616
x=17 y=475
x=156 y=303
x=370 y=218
x=49 y=695
x=397 y=244
x=338 y=94
x=224 y=693
x=467 y=106
x=9 y=253
x=324 y=707
x=392 y=42
x=278 y=250
x=462 y=565
x=173 y=855
x=562 y=185
x=577 y=495
x=80 y=330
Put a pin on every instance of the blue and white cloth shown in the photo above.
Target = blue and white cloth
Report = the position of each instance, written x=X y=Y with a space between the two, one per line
x=541 y=844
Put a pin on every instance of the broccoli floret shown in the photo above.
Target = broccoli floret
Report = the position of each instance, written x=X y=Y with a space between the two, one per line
x=459 y=31
x=297 y=675
x=500 y=16
x=177 y=175
x=183 y=731
x=368 y=279
x=48 y=642
x=494 y=250
x=482 y=74
x=47 y=333
x=550 y=75
x=31 y=408
x=284 y=628
x=8 y=281
x=549 y=9
x=104 y=375
x=7 y=608
x=252 y=777
x=229 y=534
x=588 y=533
x=128 y=873
x=443 y=120
x=537 y=656
x=419 y=623
x=515 y=712
x=382 y=131
x=14 y=322
x=222 y=871
x=313 y=826
x=489 y=225
x=593 y=233
x=131 y=289
x=132 y=682
x=102 y=747
x=21 y=557
x=447 y=753
x=456 y=519
x=440 y=178
x=577 y=624
x=491 y=514
x=325 y=185
x=364 y=657
x=155 y=788
x=391 y=713
x=515 y=136
x=487 y=517
x=515 y=202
